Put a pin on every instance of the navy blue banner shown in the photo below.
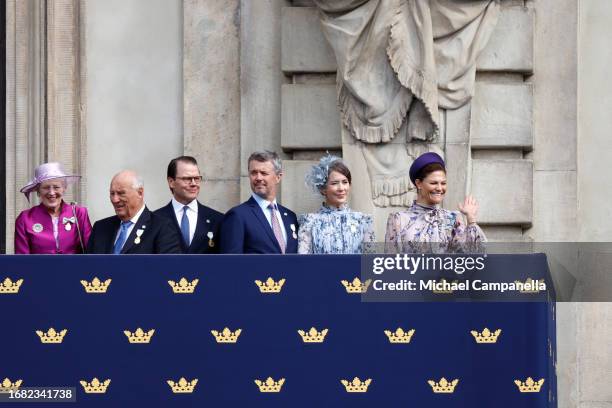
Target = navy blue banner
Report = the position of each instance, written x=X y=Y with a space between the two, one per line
x=441 y=357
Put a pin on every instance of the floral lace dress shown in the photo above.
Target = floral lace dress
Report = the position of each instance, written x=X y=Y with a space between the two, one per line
x=335 y=231
x=430 y=229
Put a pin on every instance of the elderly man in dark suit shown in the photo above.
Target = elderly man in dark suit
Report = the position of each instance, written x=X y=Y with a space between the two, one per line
x=260 y=225
x=197 y=224
x=134 y=229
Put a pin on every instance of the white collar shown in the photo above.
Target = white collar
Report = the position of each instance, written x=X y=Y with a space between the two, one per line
x=179 y=207
x=135 y=218
x=262 y=202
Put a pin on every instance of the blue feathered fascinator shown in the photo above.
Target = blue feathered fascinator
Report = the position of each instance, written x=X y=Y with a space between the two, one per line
x=316 y=178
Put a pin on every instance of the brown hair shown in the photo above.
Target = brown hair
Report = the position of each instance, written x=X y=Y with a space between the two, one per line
x=267 y=156
x=171 y=173
x=341 y=168
x=173 y=165
x=427 y=170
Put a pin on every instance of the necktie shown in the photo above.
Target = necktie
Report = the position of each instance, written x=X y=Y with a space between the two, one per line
x=185 y=226
x=122 y=237
x=276 y=228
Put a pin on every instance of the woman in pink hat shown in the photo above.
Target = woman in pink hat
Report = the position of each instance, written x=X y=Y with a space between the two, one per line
x=53 y=226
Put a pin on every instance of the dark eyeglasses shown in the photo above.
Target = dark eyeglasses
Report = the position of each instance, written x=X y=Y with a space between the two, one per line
x=196 y=179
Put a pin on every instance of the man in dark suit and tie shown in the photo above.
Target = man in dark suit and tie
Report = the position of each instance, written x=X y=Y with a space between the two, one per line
x=197 y=224
x=260 y=225
x=134 y=229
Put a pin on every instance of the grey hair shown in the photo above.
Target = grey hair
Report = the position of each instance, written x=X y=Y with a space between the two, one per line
x=138 y=182
x=265 y=156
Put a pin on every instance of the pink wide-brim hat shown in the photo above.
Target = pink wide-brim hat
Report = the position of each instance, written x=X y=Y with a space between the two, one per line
x=44 y=172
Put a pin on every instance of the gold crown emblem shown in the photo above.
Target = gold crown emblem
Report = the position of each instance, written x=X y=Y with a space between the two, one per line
x=270 y=385
x=96 y=285
x=51 y=336
x=226 y=335
x=7 y=385
x=486 y=336
x=444 y=291
x=532 y=283
x=8 y=286
x=313 y=336
x=443 y=387
x=269 y=286
x=356 y=385
x=139 y=336
x=95 y=386
x=183 y=285
x=356 y=286
x=399 y=336
x=529 y=385
x=182 y=386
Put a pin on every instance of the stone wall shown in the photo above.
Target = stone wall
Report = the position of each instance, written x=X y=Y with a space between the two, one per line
x=134 y=95
x=492 y=137
x=594 y=194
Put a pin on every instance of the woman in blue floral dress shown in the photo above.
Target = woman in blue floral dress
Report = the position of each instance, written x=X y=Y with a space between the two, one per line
x=424 y=226
x=335 y=229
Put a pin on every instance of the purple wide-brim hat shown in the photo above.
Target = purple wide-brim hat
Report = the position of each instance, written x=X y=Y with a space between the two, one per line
x=44 y=172
x=422 y=161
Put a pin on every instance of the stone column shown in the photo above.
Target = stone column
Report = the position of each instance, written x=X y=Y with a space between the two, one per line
x=554 y=159
x=594 y=193
x=65 y=137
x=260 y=81
x=25 y=101
x=43 y=105
x=211 y=96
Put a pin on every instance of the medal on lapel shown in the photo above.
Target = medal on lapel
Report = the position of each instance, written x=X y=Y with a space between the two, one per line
x=293 y=231
x=68 y=223
x=138 y=235
x=211 y=243
x=37 y=228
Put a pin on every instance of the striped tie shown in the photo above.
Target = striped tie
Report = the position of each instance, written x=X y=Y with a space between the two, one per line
x=278 y=233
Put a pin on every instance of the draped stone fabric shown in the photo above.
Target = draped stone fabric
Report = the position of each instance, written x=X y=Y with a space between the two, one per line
x=401 y=59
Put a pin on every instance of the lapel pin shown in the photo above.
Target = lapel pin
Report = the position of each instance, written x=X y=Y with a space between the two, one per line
x=293 y=230
x=211 y=243
x=37 y=228
x=207 y=221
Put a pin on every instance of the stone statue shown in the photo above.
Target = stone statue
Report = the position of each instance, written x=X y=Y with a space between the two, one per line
x=399 y=62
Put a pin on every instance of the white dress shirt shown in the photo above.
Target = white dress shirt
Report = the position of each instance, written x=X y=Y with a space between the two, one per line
x=263 y=204
x=131 y=227
x=192 y=215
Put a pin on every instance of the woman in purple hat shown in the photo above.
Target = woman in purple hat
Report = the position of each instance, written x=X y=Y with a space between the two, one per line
x=424 y=226
x=53 y=226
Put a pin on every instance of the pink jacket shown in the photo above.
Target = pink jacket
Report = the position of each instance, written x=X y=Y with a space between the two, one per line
x=34 y=231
